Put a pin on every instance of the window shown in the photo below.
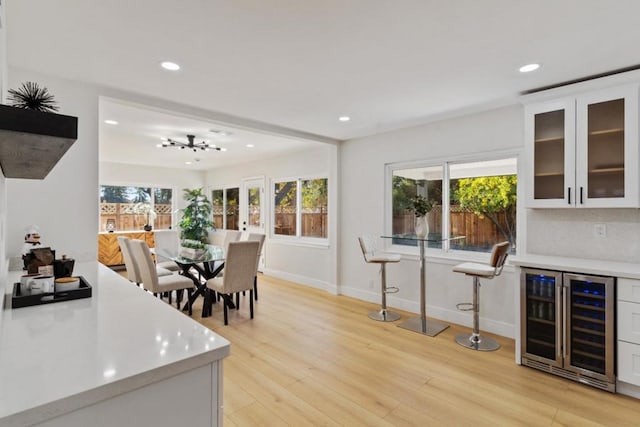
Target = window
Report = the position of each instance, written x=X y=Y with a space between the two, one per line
x=300 y=208
x=131 y=208
x=476 y=200
x=314 y=208
x=286 y=208
x=226 y=208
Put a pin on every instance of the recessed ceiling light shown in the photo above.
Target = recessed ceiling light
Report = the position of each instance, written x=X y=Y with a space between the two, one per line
x=187 y=163
x=159 y=145
x=223 y=149
x=529 y=67
x=111 y=122
x=344 y=118
x=171 y=66
x=250 y=145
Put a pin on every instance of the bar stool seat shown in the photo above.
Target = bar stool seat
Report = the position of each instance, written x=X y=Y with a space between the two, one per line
x=367 y=244
x=474 y=340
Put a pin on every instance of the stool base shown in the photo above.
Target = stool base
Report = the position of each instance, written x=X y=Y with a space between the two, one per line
x=384 y=316
x=477 y=342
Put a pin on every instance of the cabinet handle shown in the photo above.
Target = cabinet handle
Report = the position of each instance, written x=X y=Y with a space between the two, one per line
x=569 y=195
x=560 y=313
x=581 y=201
x=565 y=332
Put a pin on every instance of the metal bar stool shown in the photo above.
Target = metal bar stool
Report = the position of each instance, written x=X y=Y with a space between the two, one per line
x=367 y=244
x=474 y=340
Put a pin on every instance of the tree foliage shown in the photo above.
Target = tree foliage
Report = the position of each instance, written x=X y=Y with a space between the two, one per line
x=162 y=195
x=491 y=196
x=314 y=193
x=405 y=191
x=196 y=217
x=113 y=194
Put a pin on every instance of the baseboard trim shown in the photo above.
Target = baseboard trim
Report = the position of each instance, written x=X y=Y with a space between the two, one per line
x=302 y=280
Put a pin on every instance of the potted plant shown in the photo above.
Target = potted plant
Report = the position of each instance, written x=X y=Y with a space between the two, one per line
x=196 y=221
x=421 y=206
x=192 y=249
x=145 y=209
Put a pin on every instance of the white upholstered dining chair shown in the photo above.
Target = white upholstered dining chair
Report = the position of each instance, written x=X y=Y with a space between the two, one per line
x=149 y=277
x=167 y=243
x=240 y=270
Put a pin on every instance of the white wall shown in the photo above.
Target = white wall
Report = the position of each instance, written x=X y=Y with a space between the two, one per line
x=177 y=179
x=65 y=204
x=362 y=173
x=306 y=264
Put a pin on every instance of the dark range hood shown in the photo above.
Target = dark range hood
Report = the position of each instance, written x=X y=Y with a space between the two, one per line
x=32 y=142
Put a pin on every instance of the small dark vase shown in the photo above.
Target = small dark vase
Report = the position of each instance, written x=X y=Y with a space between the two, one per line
x=147 y=227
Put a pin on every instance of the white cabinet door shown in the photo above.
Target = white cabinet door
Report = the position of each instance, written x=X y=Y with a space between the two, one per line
x=607 y=148
x=629 y=322
x=629 y=363
x=550 y=143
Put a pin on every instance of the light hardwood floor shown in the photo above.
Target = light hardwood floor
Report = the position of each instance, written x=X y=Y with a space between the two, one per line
x=312 y=358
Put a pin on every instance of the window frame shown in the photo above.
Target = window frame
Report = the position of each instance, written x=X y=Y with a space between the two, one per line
x=444 y=162
x=297 y=238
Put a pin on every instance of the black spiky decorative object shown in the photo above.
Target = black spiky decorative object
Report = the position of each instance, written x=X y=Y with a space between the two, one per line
x=32 y=97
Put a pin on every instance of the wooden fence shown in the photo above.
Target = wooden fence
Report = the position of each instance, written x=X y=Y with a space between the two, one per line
x=478 y=232
x=123 y=217
x=314 y=222
x=233 y=215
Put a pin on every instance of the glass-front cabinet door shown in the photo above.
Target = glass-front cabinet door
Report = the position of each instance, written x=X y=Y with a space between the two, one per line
x=607 y=148
x=550 y=130
x=582 y=151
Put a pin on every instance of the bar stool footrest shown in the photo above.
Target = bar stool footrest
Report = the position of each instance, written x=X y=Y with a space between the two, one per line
x=465 y=306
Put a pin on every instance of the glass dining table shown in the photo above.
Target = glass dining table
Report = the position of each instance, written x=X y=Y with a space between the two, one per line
x=207 y=266
x=421 y=324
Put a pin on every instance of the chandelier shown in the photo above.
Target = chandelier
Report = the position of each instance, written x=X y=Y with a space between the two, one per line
x=195 y=146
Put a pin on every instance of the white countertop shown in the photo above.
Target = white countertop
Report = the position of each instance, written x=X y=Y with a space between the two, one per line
x=58 y=357
x=578 y=265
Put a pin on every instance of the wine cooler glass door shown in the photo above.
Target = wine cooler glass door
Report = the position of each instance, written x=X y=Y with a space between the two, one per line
x=589 y=336
x=541 y=316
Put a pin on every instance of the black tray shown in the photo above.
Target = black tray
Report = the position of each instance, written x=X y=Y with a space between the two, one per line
x=24 y=298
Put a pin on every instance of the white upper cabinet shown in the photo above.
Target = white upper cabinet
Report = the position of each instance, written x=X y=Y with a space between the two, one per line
x=582 y=151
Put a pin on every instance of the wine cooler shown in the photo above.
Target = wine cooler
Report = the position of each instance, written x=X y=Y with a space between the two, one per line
x=567 y=323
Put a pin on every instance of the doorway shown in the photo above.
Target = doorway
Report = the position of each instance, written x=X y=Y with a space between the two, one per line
x=253 y=209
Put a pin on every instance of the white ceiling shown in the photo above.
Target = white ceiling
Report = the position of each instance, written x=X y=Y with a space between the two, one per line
x=139 y=130
x=300 y=64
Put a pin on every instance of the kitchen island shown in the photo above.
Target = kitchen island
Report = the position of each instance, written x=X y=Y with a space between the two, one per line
x=121 y=357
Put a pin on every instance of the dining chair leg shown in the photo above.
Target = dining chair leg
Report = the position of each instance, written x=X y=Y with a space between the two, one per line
x=179 y=295
x=225 y=298
x=255 y=287
x=251 y=303
x=237 y=300
x=170 y=298
x=189 y=291
x=206 y=304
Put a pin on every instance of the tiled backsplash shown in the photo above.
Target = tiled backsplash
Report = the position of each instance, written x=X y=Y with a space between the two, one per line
x=570 y=232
